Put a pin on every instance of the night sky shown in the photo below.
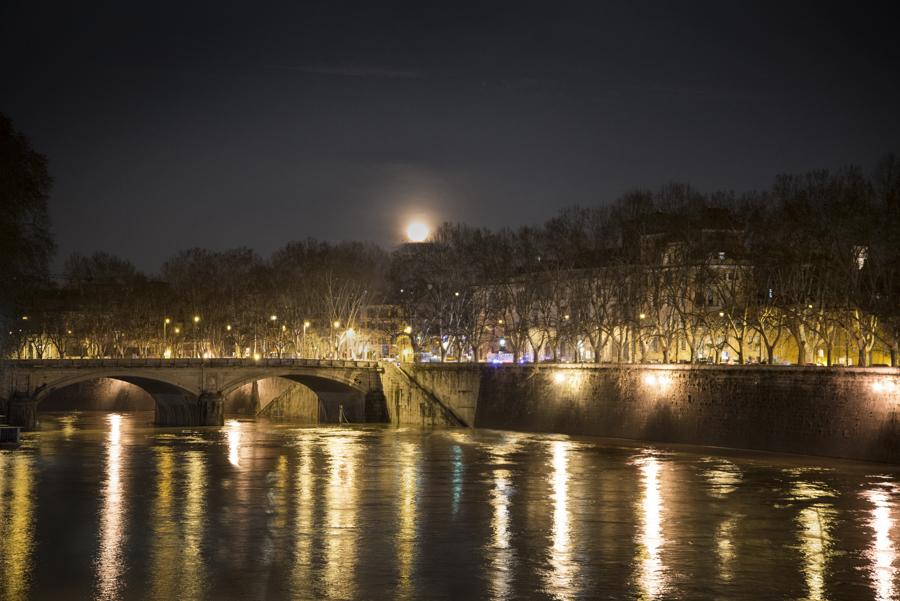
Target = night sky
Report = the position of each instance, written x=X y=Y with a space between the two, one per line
x=169 y=126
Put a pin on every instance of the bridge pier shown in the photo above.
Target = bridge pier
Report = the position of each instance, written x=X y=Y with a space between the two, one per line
x=211 y=409
x=178 y=410
x=21 y=410
x=376 y=407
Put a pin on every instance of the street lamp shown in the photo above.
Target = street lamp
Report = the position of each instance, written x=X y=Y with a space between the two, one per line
x=166 y=323
x=305 y=327
x=334 y=326
x=196 y=322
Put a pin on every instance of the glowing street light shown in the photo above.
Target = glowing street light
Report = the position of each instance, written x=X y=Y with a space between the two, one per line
x=407 y=330
x=417 y=231
x=306 y=325
x=166 y=322
x=196 y=322
x=273 y=317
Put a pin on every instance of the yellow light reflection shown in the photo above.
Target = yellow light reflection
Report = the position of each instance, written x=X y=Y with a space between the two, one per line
x=193 y=524
x=234 y=441
x=179 y=523
x=502 y=558
x=652 y=577
x=406 y=535
x=725 y=547
x=882 y=554
x=815 y=545
x=340 y=516
x=16 y=525
x=110 y=561
x=68 y=425
x=562 y=568
x=723 y=478
x=164 y=559
x=279 y=494
x=304 y=494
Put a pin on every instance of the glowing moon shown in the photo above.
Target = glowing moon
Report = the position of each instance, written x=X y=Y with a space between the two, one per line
x=417 y=231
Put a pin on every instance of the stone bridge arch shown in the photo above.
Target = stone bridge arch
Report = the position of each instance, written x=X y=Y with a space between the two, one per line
x=360 y=391
x=174 y=403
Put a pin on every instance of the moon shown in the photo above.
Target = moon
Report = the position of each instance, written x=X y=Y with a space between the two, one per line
x=417 y=231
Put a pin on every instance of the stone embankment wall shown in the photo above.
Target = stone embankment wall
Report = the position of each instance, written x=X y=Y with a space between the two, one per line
x=409 y=403
x=851 y=413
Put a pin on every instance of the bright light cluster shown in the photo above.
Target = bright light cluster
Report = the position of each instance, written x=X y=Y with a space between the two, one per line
x=884 y=386
x=658 y=381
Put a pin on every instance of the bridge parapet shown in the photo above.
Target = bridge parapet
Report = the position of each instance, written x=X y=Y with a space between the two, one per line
x=94 y=363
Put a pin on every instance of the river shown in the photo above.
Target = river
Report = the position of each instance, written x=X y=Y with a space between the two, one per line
x=105 y=506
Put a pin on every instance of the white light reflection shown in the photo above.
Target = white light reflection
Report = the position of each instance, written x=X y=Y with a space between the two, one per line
x=234 y=441
x=110 y=560
x=882 y=554
x=651 y=578
x=457 y=477
x=562 y=567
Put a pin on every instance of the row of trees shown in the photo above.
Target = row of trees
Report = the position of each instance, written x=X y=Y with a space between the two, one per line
x=308 y=300
x=804 y=271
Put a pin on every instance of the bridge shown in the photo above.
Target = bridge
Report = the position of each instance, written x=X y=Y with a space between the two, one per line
x=186 y=392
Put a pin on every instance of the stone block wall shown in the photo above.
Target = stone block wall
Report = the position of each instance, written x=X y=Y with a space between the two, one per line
x=849 y=412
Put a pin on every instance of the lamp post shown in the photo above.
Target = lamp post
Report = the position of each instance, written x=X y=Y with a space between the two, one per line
x=305 y=326
x=196 y=325
x=273 y=318
x=166 y=323
x=334 y=326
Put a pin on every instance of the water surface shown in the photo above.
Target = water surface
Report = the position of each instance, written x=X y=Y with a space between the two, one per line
x=104 y=506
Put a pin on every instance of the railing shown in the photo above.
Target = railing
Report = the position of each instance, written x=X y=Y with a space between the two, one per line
x=176 y=363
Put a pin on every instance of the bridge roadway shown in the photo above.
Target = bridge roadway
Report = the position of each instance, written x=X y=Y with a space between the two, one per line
x=186 y=392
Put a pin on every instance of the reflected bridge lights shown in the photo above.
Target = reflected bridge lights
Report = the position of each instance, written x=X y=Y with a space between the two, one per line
x=234 y=441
